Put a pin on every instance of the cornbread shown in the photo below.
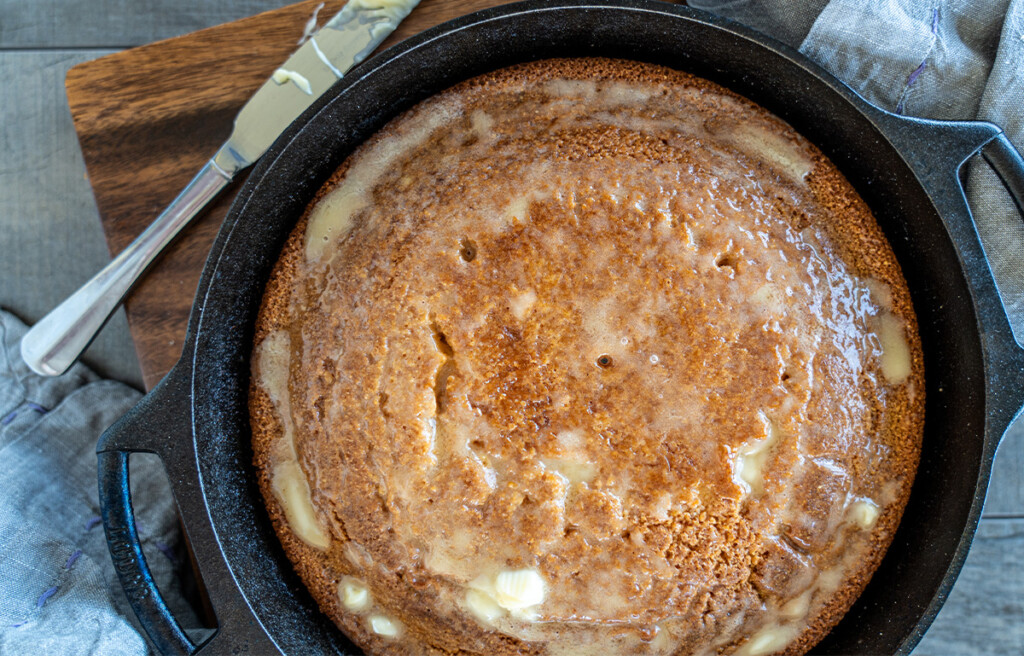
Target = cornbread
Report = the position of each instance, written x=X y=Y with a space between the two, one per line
x=588 y=357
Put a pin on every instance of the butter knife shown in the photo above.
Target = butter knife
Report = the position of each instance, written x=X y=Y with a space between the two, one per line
x=59 y=338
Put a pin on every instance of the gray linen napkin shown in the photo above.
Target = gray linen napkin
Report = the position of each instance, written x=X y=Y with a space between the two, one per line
x=59 y=593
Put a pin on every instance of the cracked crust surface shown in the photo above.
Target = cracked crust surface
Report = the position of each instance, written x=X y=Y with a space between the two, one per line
x=599 y=320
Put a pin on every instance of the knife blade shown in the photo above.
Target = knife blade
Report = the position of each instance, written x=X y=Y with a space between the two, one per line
x=58 y=339
x=344 y=41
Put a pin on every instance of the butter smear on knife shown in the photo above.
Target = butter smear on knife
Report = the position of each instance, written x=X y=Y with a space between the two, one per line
x=391 y=10
x=283 y=75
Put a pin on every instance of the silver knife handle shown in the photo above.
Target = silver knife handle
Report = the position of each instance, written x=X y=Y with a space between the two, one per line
x=59 y=338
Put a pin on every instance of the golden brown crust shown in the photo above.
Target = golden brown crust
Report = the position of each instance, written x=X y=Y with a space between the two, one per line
x=488 y=370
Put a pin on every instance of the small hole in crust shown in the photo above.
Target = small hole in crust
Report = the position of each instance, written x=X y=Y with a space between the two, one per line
x=467 y=249
x=728 y=260
x=604 y=361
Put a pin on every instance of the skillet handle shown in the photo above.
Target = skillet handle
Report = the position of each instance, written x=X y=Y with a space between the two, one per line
x=936 y=151
x=129 y=561
x=134 y=433
x=1008 y=165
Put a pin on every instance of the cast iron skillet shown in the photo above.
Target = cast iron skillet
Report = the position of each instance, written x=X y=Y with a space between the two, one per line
x=907 y=170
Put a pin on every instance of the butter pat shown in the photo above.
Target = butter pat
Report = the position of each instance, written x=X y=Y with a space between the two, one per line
x=354 y=594
x=519 y=589
x=863 y=513
x=895 y=361
x=483 y=606
x=518 y=592
x=292 y=490
x=385 y=626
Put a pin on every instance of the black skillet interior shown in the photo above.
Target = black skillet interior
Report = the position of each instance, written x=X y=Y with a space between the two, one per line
x=905 y=170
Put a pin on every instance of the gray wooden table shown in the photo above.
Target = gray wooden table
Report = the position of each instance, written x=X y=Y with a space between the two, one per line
x=50 y=241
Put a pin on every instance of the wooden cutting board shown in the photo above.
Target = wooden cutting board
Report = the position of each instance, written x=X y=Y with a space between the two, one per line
x=149 y=117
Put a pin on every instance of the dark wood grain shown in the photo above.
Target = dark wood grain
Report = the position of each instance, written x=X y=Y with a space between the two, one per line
x=148 y=118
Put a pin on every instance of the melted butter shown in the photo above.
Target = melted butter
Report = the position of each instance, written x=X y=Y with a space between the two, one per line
x=310 y=28
x=829 y=580
x=384 y=626
x=481 y=125
x=519 y=208
x=662 y=642
x=354 y=594
x=895 y=361
x=797 y=607
x=288 y=482
x=452 y=555
x=292 y=491
x=770 y=299
x=571 y=440
x=607 y=597
x=608 y=642
x=483 y=606
x=357 y=555
x=333 y=216
x=629 y=95
x=573 y=471
x=387 y=12
x=565 y=88
x=516 y=592
x=604 y=324
x=863 y=512
x=759 y=143
x=880 y=292
x=768 y=640
x=750 y=461
x=521 y=304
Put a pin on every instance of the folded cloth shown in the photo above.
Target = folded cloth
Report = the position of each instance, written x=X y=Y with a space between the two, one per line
x=59 y=593
x=945 y=59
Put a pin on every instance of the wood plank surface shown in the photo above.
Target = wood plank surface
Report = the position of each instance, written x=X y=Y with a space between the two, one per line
x=1006 y=489
x=984 y=615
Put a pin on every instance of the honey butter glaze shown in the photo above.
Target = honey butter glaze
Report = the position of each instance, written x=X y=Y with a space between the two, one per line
x=586 y=357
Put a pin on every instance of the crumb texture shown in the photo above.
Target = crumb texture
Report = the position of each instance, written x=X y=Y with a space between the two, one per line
x=586 y=357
